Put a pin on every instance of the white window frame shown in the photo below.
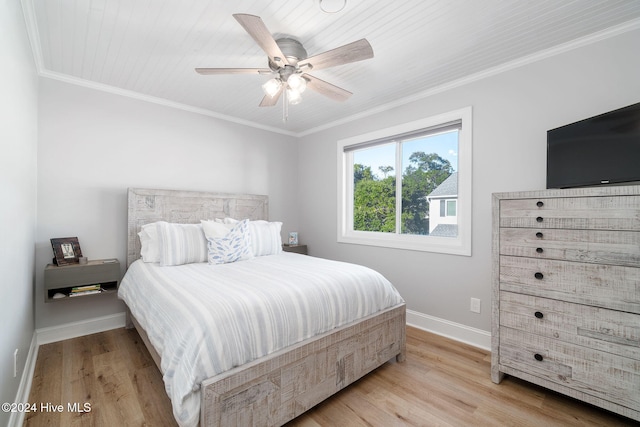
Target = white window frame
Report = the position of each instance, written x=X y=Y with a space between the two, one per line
x=460 y=245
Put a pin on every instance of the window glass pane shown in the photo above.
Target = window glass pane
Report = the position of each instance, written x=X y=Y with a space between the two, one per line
x=374 y=189
x=451 y=208
x=428 y=174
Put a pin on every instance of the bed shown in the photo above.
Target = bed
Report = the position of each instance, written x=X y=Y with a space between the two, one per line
x=286 y=378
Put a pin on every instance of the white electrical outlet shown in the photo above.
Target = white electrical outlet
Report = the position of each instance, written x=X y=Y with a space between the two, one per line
x=475 y=305
x=15 y=363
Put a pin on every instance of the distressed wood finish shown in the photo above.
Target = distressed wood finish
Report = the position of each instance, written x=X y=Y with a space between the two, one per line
x=566 y=293
x=276 y=388
x=608 y=286
x=186 y=207
x=591 y=246
x=582 y=213
x=613 y=331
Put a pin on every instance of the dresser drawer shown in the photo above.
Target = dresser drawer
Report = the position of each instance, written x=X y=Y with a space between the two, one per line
x=589 y=213
x=591 y=246
x=615 y=332
x=596 y=373
x=608 y=286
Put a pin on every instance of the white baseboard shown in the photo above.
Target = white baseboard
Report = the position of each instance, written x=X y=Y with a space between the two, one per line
x=455 y=331
x=16 y=419
x=53 y=334
x=78 y=329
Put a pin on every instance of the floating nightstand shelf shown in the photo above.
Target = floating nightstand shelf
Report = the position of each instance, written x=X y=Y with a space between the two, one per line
x=299 y=249
x=62 y=279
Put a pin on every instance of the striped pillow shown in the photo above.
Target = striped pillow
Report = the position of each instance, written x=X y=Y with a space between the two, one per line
x=234 y=246
x=265 y=236
x=181 y=243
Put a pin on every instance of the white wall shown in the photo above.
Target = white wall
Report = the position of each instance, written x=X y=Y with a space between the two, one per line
x=18 y=142
x=94 y=145
x=511 y=113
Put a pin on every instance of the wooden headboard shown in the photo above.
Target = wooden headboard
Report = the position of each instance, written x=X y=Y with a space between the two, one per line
x=186 y=207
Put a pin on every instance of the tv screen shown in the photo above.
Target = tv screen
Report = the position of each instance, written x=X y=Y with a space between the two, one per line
x=604 y=149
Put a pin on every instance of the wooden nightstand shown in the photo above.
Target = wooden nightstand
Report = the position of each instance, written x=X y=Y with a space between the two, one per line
x=299 y=249
x=62 y=279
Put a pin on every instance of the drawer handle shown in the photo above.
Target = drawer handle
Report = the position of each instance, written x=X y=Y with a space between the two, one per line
x=538 y=357
x=539 y=315
x=539 y=219
x=539 y=276
x=539 y=235
x=540 y=204
x=539 y=250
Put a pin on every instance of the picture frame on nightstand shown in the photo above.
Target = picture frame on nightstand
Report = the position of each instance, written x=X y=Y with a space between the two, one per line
x=66 y=250
x=293 y=238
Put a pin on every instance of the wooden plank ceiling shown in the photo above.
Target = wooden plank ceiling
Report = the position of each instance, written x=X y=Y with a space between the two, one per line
x=151 y=47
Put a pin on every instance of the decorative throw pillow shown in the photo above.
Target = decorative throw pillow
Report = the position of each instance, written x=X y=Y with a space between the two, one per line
x=181 y=243
x=234 y=246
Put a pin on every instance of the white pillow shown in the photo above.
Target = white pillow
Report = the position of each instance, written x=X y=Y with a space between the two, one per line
x=149 y=245
x=215 y=228
x=181 y=243
x=265 y=236
x=234 y=246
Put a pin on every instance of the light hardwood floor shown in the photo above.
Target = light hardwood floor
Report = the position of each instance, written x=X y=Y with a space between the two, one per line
x=441 y=383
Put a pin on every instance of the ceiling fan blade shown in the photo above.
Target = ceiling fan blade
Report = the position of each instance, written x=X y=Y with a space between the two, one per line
x=352 y=52
x=270 y=101
x=209 y=71
x=327 y=89
x=259 y=32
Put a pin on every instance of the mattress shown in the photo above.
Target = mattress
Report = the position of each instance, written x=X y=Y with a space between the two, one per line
x=206 y=319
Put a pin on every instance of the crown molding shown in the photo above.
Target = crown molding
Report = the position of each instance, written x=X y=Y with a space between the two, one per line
x=154 y=100
x=493 y=71
x=34 y=38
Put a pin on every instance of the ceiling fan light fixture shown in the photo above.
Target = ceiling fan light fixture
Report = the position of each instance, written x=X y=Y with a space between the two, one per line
x=294 y=96
x=332 y=6
x=297 y=82
x=272 y=87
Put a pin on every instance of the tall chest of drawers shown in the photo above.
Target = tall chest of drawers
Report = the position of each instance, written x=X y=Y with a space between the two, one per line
x=566 y=293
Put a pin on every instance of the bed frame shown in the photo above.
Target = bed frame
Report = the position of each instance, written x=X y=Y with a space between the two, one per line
x=278 y=387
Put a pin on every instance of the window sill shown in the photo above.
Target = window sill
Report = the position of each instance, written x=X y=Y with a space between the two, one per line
x=445 y=245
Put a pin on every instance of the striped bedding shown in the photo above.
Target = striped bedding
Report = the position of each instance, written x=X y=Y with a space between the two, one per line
x=206 y=319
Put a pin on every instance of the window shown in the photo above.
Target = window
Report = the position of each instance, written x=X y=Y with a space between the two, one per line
x=408 y=186
x=448 y=207
x=451 y=207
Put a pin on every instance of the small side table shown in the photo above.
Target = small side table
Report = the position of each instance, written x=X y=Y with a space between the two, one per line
x=298 y=249
x=103 y=274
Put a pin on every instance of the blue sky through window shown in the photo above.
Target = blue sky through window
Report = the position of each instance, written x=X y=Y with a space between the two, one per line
x=444 y=144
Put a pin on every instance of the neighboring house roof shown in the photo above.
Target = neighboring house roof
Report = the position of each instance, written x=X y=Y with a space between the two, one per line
x=445 y=230
x=448 y=187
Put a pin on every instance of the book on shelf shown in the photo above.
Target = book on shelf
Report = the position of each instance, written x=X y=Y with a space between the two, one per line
x=77 y=294
x=85 y=288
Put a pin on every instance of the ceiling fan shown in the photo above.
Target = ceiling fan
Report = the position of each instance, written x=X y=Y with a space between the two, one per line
x=288 y=62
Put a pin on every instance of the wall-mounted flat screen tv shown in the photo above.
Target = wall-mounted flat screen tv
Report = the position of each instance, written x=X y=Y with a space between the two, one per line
x=604 y=149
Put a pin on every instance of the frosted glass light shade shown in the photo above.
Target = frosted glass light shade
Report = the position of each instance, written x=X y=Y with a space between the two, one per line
x=272 y=87
x=294 y=96
x=297 y=83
